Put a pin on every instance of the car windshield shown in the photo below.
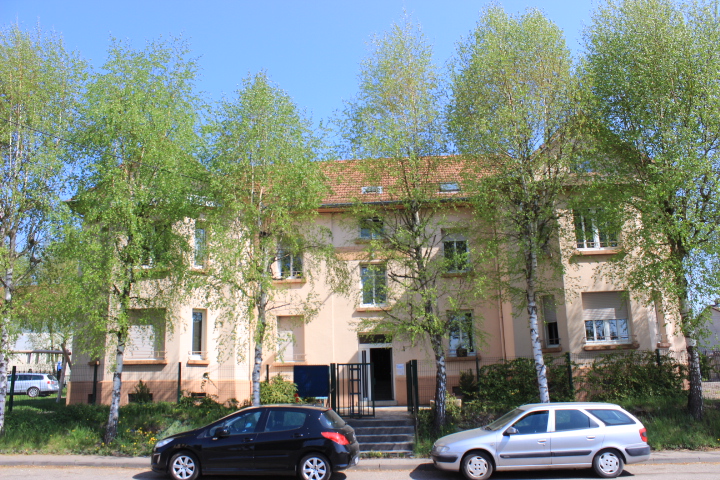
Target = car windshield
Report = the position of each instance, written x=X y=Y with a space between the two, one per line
x=504 y=420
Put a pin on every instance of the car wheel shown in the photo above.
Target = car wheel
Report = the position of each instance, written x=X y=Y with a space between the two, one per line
x=477 y=466
x=33 y=392
x=608 y=464
x=184 y=466
x=314 y=467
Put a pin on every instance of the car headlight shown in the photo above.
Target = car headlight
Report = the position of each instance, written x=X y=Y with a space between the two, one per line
x=440 y=448
x=163 y=442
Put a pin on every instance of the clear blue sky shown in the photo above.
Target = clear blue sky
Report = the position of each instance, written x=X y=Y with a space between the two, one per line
x=311 y=48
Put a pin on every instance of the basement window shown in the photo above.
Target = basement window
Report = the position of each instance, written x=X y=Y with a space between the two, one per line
x=373 y=189
x=449 y=187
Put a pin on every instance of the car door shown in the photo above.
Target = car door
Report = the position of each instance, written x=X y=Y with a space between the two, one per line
x=279 y=444
x=21 y=383
x=235 y=452
x=529 y=446
x=576 y=438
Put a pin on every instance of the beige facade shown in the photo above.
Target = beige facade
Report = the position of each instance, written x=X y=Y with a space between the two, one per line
x=591 y=314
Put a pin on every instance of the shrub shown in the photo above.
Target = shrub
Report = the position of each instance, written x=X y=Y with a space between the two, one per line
x=141 y=394
x=618 y=376
x=277 y=390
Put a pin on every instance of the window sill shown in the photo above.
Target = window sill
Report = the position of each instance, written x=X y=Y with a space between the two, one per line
x=553 y=349
x=597 y=251
x=289 y=280
x=592 y=347
x=198 y=362
x=470 y=356
x=372 y=308
x=145 y=362
x=663 y=345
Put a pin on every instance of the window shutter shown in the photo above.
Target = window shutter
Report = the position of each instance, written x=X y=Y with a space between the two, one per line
x=604 y=306
x=549 y=310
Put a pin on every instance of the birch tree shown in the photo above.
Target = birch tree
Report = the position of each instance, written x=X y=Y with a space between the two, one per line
x=40 y=85
x=138 y=134
x=512 y=115
x=653 y=70
x=395 y=124
x=266 y=190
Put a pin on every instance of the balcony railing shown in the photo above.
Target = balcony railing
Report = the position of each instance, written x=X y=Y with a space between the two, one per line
x=611 y=340
x=145 y=354
x=292 y=358
x=198 y=355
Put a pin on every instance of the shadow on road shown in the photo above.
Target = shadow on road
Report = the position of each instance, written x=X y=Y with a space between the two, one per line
x=429 y=472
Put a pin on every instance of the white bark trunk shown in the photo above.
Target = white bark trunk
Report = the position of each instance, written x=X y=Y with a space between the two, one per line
x=113 y=418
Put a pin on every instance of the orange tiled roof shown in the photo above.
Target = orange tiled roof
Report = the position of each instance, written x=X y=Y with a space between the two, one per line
x=348 y=177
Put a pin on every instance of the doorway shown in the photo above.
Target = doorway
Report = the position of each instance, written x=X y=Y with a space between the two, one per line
x=380 y=356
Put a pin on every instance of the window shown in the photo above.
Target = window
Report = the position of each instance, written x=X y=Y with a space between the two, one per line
x=612 y=417
x=290 y=265
x=198 y=334
x=456 y=254
x=371 y=228
x=606 y=317
x=535 y=422
x=280 y=420
x=592 y=231
x=242 y=423
x=549 y=312
x=374 y=284
x=372 y=189
x=146 y=335
x=449 y=187
x=461 y=332
x=200 y=247
x=572 y=420
x=290 y=339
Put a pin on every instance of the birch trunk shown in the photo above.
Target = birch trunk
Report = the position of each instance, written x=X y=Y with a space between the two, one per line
x=259 y=337
x=113 y=418
x=4 y=347
x=63 y=372
x=440 y=382
x=531 y=279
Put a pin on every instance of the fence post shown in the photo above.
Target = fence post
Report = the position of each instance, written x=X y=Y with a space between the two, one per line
x=12 y=389
x=568 y=362
x=94 y=394
x=477 y=374
x=657 y=357
x=333 y=386
x=179 y=383
x=267 y=372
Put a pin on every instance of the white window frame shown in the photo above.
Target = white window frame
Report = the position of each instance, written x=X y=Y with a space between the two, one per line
x=607 y=322
x=374 y=272
x=371 y=228
x=585 y=222
x=200 y=329
x=461 y=335
x=449 y=187
x=146 y=335
x=455 y=240
x=294 y=261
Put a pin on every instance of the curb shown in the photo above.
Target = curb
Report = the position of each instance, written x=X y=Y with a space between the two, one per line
x=406 y=464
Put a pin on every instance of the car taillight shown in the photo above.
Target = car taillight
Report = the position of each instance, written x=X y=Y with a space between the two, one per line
x=336 y=437
x=643 y=435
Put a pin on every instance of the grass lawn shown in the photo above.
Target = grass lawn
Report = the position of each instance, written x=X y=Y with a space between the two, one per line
x=40 y=425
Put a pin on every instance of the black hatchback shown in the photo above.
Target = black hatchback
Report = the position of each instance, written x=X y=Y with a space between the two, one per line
x=311 y=442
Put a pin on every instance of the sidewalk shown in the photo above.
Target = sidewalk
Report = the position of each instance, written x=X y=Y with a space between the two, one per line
x=673 y=456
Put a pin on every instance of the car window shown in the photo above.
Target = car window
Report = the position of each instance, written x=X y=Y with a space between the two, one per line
x=502 y=421
x=279 y=420
x=535 y=422
x=572 y=420
x=19 y=378
x=330 y=419
x=52 y=378
x=612 y=417
x=243 y=423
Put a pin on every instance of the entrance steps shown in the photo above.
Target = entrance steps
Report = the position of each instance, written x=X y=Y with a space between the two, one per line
x=390 y=433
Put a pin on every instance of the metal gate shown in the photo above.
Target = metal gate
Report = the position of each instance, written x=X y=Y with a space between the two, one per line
x=411 y=375
x=351 y=389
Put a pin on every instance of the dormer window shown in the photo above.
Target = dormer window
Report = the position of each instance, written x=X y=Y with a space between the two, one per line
x=374 y=189
x=446 y=187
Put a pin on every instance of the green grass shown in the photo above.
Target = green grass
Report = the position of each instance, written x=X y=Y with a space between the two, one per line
x=668 y=423
x=41 y=425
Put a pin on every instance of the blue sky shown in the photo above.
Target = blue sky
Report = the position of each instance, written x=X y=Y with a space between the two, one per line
x=312 y=48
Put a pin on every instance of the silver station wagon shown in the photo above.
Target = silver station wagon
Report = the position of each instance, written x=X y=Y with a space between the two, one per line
x=547 y=436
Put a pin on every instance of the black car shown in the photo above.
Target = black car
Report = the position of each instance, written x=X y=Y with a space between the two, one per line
x=311 y=442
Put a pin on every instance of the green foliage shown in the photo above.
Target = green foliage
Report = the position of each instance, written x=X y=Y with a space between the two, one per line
x=277 y=390
x=468 y=385
x=620 y=376
x=141 y=393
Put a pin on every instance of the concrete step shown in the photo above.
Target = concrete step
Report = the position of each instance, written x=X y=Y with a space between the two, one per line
x=404 y=430
x=380 y=422
x=385 y=438
x=386 y=447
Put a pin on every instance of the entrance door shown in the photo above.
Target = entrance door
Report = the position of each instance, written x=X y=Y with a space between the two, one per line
x=380 y=356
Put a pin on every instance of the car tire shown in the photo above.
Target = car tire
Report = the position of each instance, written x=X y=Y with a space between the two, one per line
x=314 y=467
x=477 y=466
x=608 y=463
x=184 y=466
x=33 y=392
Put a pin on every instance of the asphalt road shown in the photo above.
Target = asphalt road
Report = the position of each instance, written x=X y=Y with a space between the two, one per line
x=673 y=471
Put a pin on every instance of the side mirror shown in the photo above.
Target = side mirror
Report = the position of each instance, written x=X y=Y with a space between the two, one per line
x=222 y=432
x=510 y=431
